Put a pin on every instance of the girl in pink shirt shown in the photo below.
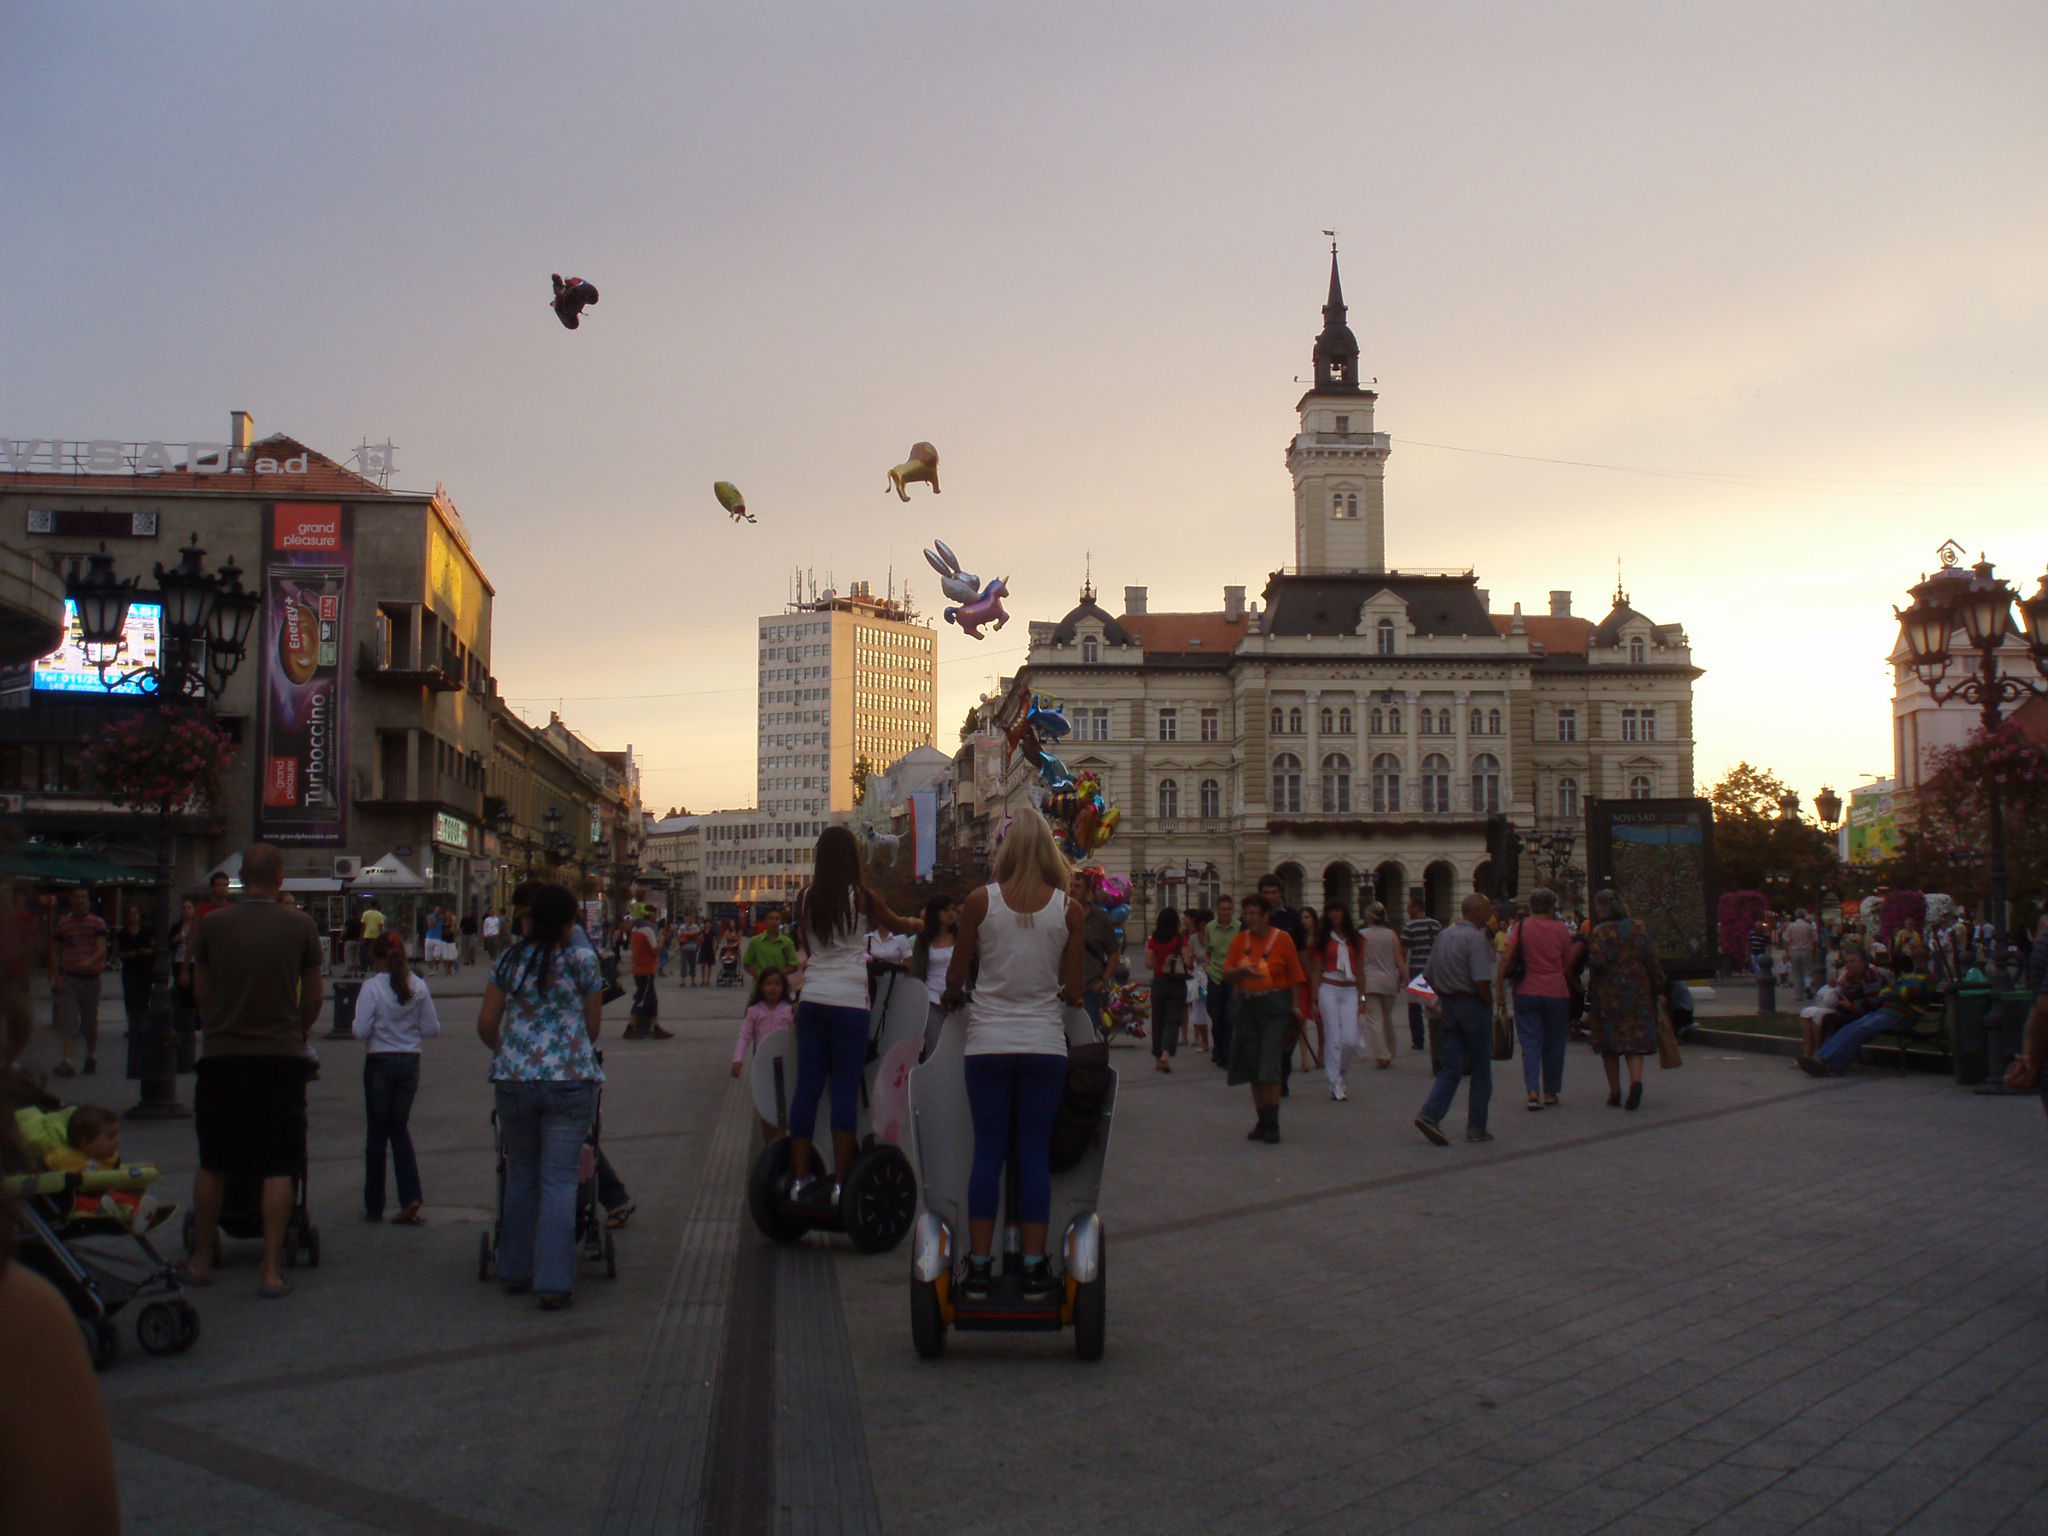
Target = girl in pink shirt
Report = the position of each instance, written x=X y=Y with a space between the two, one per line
x=768 y=1010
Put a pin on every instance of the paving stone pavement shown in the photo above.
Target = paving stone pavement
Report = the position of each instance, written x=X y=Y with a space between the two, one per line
x=1759 y=1305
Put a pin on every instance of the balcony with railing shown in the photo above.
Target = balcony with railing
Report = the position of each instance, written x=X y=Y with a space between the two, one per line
x=441 y=672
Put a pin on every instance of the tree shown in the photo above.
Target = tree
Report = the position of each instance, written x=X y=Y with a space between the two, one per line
x=1758 y=847
x=967 y=726
x=863 y=770
x=1945 y=843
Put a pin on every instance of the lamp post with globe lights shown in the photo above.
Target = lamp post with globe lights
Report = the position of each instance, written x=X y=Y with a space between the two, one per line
x=1982 y=606
x=206 y=621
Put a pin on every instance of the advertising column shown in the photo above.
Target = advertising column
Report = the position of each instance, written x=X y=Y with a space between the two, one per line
x=302 y=735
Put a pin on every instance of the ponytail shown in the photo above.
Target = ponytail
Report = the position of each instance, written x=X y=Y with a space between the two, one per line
x=397 y=968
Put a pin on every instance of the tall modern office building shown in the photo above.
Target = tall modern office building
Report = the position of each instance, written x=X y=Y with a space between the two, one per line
x=843 y=677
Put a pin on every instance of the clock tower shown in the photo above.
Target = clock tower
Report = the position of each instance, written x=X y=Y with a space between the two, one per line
x=1337 y=460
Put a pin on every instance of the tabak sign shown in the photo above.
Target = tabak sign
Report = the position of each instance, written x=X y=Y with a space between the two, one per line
x=302 y=756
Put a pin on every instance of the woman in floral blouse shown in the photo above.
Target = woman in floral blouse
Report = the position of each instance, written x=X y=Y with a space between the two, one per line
x=541 y=1013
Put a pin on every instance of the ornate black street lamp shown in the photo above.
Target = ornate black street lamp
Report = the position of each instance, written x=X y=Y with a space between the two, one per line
x=1828 y=806
x=1981 y=605
x=205 y=635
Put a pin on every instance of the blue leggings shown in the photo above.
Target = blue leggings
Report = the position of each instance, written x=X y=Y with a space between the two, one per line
x=833 y=1040
x=1033 y=1085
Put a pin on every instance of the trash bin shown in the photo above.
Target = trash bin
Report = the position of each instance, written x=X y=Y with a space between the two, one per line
x=1969 y=1048
x=345 y=995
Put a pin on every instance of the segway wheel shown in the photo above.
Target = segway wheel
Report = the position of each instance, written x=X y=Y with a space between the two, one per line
x=1091 y=1312
x=878 y=1202
x=102 y=1341
x=766 y=1182
x=611 y=1256
x=483 y=1255
x=159 y=1330
x=927 y=1323
x=311 y=1240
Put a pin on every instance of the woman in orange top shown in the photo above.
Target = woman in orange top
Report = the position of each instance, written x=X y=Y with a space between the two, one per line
x=1263 y=970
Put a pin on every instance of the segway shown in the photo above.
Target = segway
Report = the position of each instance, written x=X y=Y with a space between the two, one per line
x=942 y=1133
x=878 y=1193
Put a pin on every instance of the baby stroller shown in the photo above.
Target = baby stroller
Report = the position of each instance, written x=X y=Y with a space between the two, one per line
x=729 y=966
x=88 y=1259
x=593 y=1237
x=241 y=1210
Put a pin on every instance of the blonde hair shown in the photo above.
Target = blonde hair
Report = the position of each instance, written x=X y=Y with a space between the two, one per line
x=1029 y=858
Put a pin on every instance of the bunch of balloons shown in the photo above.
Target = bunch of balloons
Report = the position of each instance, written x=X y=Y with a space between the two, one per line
x=1085 y=820
x=1128 y=1008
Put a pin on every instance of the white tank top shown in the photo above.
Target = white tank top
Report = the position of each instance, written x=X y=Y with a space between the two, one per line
x=837 y=972
x=1017 y=1008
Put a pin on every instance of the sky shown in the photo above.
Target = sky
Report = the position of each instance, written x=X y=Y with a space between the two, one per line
x=1778 y=268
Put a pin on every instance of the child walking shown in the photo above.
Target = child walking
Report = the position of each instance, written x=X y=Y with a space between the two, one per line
x=768 y=1010
x=394 y=1014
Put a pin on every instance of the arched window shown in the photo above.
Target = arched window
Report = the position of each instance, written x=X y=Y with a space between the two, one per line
x=1383 y=633
x=1639 y=786
x=1344 y=504
x=1635 y=649
x=1478 y=722
x=1212 y=799
x=1379 y=722
x=1436 y=782
x=1287 y=783
x=1169 y=800
x=1443 y=722
x=1568 y=797
x=1386 y=782
x=1279 y=722
x=1343 y=722
x=1294 y=720
x=1394 y=719
x=1493 y=722
x=1336 y=783
x=1326 y=721
x=1091 y=649
x=1486 y=783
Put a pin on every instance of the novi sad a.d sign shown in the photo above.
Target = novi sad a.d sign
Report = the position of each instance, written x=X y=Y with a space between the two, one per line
x=104 y=456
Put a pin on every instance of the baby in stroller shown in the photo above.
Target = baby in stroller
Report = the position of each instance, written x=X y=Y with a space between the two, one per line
x=92 y=1144
x=729 y=960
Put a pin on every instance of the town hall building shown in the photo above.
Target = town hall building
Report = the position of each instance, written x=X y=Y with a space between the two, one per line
x=1363 y=731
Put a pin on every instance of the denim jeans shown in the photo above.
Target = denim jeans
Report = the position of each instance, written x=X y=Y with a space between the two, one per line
x=1013 y=1099
x=1839 y=1054
x=544 y=1126
x=1541 y=1024
x=390 y=1080
x=1467 y=1047
x=1416 y=1037
x=831 y=1043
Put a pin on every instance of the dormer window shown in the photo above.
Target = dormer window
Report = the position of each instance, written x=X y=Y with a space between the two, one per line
x=1091 y=649
x=1383 y=635
x=1635 y=650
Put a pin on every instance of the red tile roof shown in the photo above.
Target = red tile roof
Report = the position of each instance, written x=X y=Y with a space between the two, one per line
x=1558 y=637
x=1200 y=634
x=323 y=477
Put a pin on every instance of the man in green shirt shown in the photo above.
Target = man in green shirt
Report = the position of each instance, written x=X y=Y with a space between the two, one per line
x=1219 y=934
x=770 y=949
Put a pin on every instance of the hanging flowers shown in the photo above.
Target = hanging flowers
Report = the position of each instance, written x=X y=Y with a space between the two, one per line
x=165 y=761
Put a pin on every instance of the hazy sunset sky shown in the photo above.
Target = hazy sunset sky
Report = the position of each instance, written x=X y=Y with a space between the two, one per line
x=1791 y=257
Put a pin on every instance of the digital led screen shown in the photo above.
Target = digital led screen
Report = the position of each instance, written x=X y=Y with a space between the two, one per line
x=66 y=670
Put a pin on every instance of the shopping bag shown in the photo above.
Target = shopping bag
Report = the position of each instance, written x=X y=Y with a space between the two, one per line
x=1667 y=1045
x=1503 y=1035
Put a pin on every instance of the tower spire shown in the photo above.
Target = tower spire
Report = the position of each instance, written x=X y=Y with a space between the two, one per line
x=1336 y=351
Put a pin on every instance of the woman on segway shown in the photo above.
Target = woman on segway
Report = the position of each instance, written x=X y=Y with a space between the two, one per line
x=1029 y=939
x=833 y=916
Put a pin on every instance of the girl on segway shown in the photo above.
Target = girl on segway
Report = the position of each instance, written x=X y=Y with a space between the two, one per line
x=1030 y=941
x=833 y=916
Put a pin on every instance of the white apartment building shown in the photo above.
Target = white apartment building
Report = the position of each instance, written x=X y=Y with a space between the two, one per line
x=842 y=678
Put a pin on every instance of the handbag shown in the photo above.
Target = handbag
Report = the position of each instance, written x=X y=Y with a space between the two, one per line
x=1518 y=963
x=1503 y=1035
x=1088 y=1083
x=614 y=989
x=1667 y=1044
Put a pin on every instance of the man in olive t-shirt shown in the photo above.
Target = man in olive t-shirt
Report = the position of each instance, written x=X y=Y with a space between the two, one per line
x=257 y=970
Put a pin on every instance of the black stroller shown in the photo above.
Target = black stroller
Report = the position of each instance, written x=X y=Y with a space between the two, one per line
x=593 y=1237
x=90 y=1262
x=241 y=1212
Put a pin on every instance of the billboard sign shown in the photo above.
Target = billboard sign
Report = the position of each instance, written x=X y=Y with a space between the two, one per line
x=302 y=742
x=1658 y=855
x=66 y=669
x=1873 y=826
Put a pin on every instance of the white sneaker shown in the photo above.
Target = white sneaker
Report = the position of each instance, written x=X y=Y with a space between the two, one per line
x=1337 y=1092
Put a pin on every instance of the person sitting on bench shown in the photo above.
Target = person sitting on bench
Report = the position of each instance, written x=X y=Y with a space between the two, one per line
x=1899 y=1007
x=1853 y=993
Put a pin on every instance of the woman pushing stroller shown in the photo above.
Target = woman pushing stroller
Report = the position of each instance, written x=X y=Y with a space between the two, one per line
x=833 y=917
x=1030 y=940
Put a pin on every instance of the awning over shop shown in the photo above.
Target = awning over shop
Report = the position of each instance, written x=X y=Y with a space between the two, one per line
x=70 y=866
x=313 y=883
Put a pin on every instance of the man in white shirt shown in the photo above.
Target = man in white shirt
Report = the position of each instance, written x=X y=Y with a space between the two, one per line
x=493 y=926
x=1802 y=942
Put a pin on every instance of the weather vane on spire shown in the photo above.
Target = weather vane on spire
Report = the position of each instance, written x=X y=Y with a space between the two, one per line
x=1333 y=240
